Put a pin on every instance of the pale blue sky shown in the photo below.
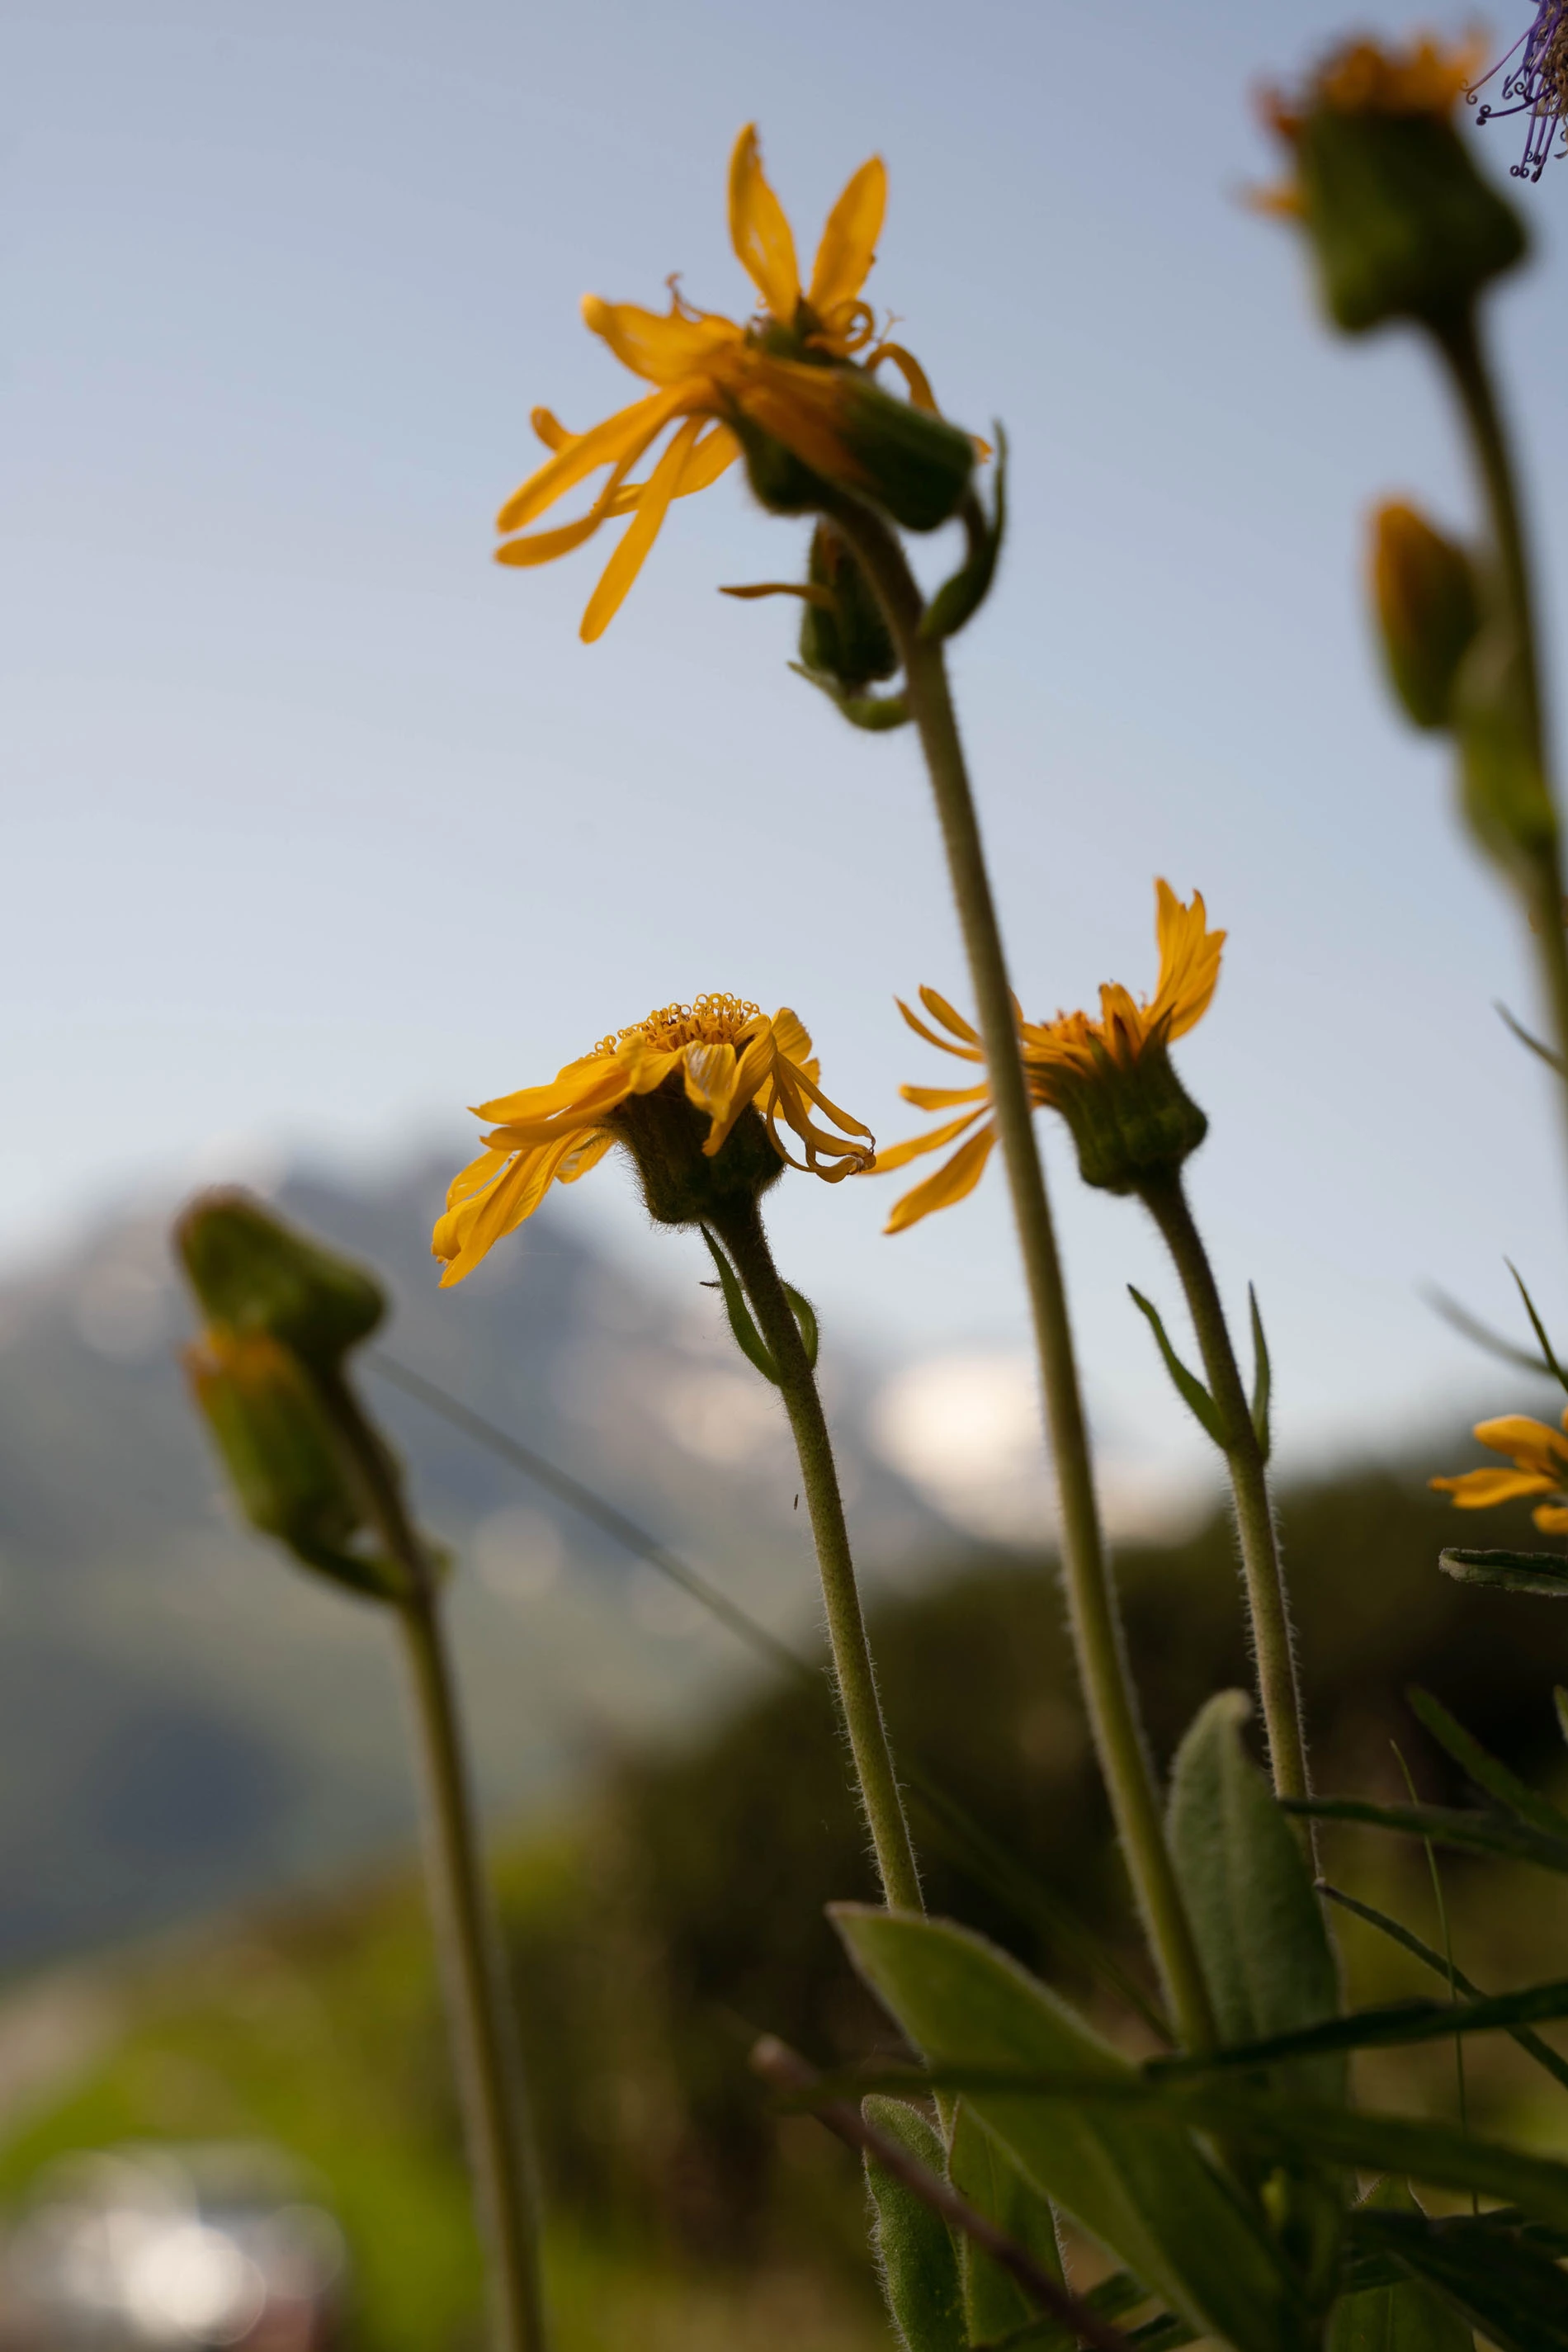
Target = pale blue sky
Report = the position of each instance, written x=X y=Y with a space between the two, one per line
x=319 y=826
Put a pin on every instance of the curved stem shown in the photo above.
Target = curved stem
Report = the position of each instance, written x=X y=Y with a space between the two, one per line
x=489 y=2077
x=1092 y=1604
x=1266 y=1598
x=1459 y=342
x=742 y=1231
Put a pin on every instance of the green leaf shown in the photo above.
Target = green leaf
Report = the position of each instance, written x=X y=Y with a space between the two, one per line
x=1445 y=1825
x=980 y=2169
x=917 y=2257
x=805 y=1313
x=876 y=713
x=1512 y=2292
x=1526 y=1037
x=1542 y=2052
x=1559 y=1701
x=1544 y=1572
x=958 y=600
x=747 y=1338
x=1257 y=1922
x=1190 y=1388
x=1391 y=2025
x=1262 y=1376
x=1134 y=2178
x=1536 y=1325
x=1404 y=2315
x=1525 y=1802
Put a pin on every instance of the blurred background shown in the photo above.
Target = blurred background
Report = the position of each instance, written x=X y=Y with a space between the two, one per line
x=320 y=826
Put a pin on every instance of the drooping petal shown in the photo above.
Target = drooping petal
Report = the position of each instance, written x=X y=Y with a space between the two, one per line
x=909 y=368
x=848 y=245
x=466 y=1235
x=588 y=1154
x=593 y=1084
x=629 y=557
x=710 y=1077
x=1551 y=1519
x=1477 y=1490
x=752 y=1067
x=624 y=436
x=663 y=348
x=759 y=231
x=803 y=407
x=1531 y=1441
x=952 y=1183
x=899 y=1155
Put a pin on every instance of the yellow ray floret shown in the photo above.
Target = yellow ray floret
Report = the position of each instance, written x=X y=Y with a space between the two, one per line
x=1071 y=1048
x=1540 y=1457
x=776 y=371
x=726 y=1054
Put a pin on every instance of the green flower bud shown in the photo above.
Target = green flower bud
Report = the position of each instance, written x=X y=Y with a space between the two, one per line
x=1504 y=795
x=1428 y=606
x=1132 y=1120
x=252 y=1273
x=682 y=1184
x=851 y=436
x=1401 y=223
x=847 y=639
x=284 y=1463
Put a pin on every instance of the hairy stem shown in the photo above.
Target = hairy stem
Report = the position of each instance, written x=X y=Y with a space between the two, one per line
x=490 y=2076
x=1266 y=1598
x=742 y=1231
x=1469 y=372
x=1091 y=1603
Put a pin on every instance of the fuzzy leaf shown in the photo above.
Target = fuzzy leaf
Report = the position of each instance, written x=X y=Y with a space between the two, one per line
x=1262 y=1377
x=1133 y=2177
x=1257 y=1922
x=805 y=1313
x=1544 y=1572
x=1475 y=1833
x=980 y=2169
x=1191 y=1389
x=958 y=600
x=747 y=1338
x=915 y=2251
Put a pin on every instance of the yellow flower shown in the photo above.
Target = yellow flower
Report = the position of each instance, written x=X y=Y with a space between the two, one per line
x=1540 y=1457
x=652 y=1086
x=1066 y=1061
x=1363 y=78
x=784 y=373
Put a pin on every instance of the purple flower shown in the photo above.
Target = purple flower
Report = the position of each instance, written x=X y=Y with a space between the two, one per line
x=1537 y=87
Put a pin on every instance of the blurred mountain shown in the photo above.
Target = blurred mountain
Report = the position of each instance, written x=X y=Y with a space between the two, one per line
x=185 y=1719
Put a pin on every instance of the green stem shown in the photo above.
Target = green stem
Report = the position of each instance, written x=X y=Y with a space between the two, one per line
x=1091 y=1603
x=488 y=2074
x=1459 y=342
x=742 y=1231
x=1266 y=1598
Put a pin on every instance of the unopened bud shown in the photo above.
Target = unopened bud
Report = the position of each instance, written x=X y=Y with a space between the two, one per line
x=277 y=1444
x=855 y=437
x=847 y=639
x=252 y=1273
x=1401 y=223
x=1428 y=610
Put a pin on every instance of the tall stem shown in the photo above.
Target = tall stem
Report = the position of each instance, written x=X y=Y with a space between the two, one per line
x=1266 y=1598
x=1459 y=342
x=490 y=2076
x=743 y=1235
x=1092 y=1604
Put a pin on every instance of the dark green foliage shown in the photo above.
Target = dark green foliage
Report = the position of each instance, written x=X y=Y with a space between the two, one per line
x=1404 y=2314
x=980 y=2169
x=915 y=2251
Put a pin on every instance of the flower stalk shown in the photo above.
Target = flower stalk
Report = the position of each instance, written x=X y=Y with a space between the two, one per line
x=490 y=2076
x=1268 y=1603
x=740 y=1227
x=1092 y=1604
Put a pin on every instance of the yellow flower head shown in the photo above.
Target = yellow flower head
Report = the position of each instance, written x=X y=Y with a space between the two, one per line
x=1080 y=1067
x=1540 y=1457
x=787 y=371
x=696 y=1092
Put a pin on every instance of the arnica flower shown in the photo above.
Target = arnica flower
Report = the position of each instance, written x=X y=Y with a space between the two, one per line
x=697 y=1093
x=1540 y=1457
x=792 y=390
x=1401 y=223
x=1537 y=86
x=1110 y=1078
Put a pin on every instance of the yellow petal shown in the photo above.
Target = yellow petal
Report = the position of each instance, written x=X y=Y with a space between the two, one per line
x=943 y=1097
x=914 y=375
x=1189 y=960
x=1551 y=1519
x=803 y=407
x=710 y=1077
x=1530 y=1441
x=1477 y=1490
x=790 y=1035
x=952 y=1183
x=626 y=435
x=629 y=557
x=759 y=231
x=964 y=1053
x=899 y=1155
x=662 y=347
x=848 y=245
x=939 y=1007
x=588 y=1154
x=593 y=1084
